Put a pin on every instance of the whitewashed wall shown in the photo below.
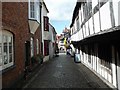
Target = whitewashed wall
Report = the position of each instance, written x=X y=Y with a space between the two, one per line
x=116 y=9
x=45 y=35
x=96 y=22
x=105 y=16
x=94 y=3
x=100 y=21
x=91 y=26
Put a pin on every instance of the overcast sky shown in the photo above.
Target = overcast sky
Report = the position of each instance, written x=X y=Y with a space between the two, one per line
x=60 y=13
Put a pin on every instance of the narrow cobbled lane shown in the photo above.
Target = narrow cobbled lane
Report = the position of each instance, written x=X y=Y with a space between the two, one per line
x=62 y=72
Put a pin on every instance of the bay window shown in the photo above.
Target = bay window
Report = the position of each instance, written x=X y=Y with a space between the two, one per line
x=34 y=10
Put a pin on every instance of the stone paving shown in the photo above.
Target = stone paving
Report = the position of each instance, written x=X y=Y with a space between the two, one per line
x=62 y=72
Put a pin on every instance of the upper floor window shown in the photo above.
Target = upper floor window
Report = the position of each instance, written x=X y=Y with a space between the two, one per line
x=6 y=50
x=46 y=23
x=32 y=10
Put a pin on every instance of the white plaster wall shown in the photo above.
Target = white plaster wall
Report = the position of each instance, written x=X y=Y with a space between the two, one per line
x=87 y=30
x=80 y=34
x=50 y=33
x=44 y=13
x=119 y=14
x=84 y=30
x=51 y=50
x=105 y=16
x=96 y=22
x=116 y=9
x=47 y=35
x=82 y=18
x=94 y=3
x=91 y=26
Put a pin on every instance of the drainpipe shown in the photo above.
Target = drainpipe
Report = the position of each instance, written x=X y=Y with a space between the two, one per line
x=41 y=26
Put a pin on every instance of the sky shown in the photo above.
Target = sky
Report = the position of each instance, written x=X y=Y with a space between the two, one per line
x=60 y=13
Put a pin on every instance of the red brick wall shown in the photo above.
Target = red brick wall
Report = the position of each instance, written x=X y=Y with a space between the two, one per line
x=15 y=20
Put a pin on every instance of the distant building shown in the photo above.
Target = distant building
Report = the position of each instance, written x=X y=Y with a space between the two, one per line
x=45 y=31
x=95 y=33
x=52 y=43
x=60 y=41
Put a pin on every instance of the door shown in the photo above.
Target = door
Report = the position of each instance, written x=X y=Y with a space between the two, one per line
x=27 y=53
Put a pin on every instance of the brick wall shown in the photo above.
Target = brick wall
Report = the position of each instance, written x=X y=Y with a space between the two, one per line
x=15 y=20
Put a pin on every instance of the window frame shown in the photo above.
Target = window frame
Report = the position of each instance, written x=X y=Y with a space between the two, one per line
x=8 y=35
x=32 y=10
x=36 y=10
x=37 y=46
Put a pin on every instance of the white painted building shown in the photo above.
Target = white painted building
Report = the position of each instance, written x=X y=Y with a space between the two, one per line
x=95 y=32
x=52 y=41
x=45 y=31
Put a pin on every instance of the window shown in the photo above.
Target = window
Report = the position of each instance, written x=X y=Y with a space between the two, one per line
x=46 y=23
x=38 y=11
x=37 y=46
x=32 y=10
x=6 y=50
x=32 y=47
x=46 y=47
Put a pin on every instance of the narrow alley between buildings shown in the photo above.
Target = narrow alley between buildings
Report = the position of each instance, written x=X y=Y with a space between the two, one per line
x=32 y=33
x=63 y=72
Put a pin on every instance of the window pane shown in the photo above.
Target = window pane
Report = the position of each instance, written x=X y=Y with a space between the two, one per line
x=10 y=58
x=0 y=60
x=10 y=39
x=10 y=48
x=4 y=38
x=10 y=44
x=32 y=10
x=5 y=59
x=5 y=48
